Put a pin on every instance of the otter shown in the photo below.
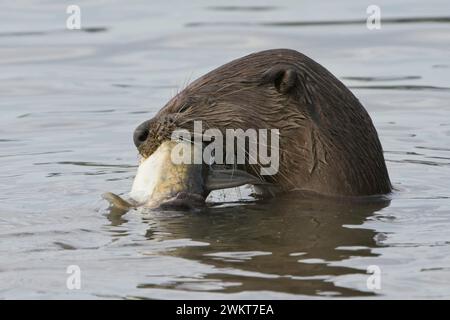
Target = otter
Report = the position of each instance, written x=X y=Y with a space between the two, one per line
x=327 y=142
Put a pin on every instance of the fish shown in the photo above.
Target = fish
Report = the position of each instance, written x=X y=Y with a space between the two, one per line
x=163 y=183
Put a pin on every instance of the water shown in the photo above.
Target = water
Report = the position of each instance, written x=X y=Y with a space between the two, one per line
x=71 y=99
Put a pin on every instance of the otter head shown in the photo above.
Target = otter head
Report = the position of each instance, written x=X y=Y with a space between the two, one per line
x=327 y=144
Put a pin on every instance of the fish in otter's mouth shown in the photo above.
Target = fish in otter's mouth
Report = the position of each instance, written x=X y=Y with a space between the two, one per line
x=162 y=183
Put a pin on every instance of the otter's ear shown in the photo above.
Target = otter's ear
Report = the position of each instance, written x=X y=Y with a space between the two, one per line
x=282 y=77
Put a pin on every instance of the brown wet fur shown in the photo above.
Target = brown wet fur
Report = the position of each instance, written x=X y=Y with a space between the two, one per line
x=328 y=143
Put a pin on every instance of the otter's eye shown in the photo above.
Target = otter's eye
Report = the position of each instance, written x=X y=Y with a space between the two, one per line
x=183 y=108
x=187 y=103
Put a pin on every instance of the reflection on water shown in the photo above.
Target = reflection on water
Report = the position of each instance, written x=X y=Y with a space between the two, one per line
x=292 y=248
x=71 y=100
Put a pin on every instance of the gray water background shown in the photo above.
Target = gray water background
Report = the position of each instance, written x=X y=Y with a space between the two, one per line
x=69 y=101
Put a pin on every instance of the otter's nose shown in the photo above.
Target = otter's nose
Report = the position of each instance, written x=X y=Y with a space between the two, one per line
x=141 y=134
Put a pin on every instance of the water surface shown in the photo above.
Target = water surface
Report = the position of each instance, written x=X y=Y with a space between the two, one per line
x=71 y=99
